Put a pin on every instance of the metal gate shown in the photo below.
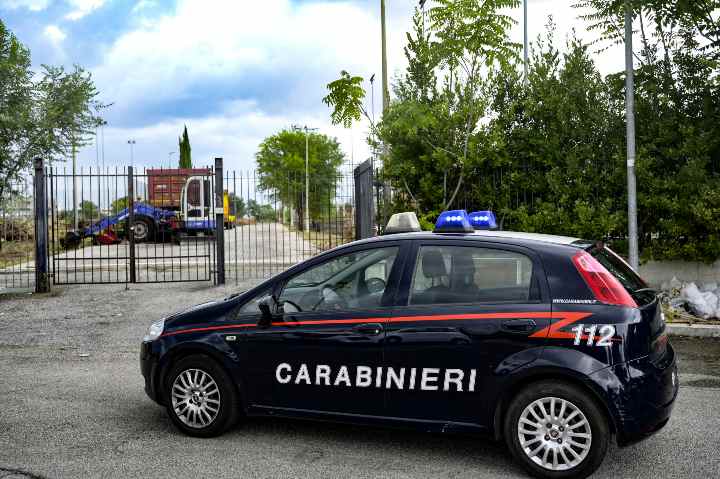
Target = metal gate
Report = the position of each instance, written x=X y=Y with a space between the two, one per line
x=119 y=226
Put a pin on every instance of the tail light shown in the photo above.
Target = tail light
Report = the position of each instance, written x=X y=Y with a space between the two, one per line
x=606 y=288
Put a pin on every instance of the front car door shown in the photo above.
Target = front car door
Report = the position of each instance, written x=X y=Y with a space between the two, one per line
x=467 y=311
x=323 y=354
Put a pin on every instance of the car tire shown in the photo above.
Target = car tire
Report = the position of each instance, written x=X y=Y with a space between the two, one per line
x=200 y=397
x=143 y=230
x=578 y=428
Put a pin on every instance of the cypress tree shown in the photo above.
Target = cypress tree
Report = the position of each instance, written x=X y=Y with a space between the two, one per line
x=184 y=147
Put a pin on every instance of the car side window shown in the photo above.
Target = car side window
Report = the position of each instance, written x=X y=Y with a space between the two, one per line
x=349 y=281
x=465 y=274
x=251 y=305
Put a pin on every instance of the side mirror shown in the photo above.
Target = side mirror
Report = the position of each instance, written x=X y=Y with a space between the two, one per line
x=271 y=309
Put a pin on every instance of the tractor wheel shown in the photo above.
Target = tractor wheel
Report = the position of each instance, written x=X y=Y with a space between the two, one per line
x=143 y=230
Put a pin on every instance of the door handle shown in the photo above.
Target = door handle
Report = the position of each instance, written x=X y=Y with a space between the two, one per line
x=519 y=325
x=370 y=329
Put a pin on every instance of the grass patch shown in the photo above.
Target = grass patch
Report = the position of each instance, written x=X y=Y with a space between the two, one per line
x=16 y=252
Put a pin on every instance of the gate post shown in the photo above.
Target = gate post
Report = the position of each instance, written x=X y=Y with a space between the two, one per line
x=42 y=279
x=219 y=222
x=364 y=207
x=131 y=222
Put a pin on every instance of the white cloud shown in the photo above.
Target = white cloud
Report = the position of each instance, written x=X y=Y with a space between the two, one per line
x=215 y=39
x=32 y=5
x=233 y=133
x=302 y=45
x=54 y=34
x=144 y=5
x=81 y=8
x=566 y=20
x=169 y=58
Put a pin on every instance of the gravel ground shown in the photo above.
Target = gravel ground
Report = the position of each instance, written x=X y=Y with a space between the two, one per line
x=72 y=405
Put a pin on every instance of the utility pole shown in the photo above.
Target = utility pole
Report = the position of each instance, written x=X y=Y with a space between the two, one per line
x=307 y=173
x=525 y=40
x=385 y=94
x=630 y=131
x=131 y=142
x=74 y=172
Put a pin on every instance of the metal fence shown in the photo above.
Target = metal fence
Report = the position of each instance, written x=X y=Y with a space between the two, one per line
x=91 y=243
x=17 y=267
x=159 y=225
x=120 y=225
x=268 y=232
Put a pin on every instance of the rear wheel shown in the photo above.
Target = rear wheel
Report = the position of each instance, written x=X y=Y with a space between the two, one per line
x=143 y=230
x=556 y=430
x=201 y=397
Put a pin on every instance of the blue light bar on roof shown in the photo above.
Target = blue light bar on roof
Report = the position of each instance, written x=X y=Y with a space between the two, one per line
x=453 y=221
x=483 y=220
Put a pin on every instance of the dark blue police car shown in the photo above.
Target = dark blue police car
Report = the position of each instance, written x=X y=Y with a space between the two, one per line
x=552 y=343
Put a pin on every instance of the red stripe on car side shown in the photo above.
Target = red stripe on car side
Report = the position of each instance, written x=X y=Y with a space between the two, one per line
x=552 y=331
x=210 y=328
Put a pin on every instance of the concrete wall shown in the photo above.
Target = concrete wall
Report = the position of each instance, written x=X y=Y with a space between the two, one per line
x=658 y=272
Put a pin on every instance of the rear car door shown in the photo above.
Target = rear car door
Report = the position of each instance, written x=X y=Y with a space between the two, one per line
x=318 y=356
x=467 y=314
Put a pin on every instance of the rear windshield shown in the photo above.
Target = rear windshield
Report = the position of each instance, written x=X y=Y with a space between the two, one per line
x=620 y=269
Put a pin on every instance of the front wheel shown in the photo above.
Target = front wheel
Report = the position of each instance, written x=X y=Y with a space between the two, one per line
x=201 y=397
x=556 y=430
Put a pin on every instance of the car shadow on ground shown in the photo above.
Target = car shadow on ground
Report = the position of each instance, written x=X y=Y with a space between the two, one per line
x=305 y=442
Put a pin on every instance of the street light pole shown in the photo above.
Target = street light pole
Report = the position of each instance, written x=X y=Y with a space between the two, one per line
x=525 y=39
x=307 y=130
x=131 y=142
x=170 y=154
x=385 y=95
x=630 y=132
x=307 y=181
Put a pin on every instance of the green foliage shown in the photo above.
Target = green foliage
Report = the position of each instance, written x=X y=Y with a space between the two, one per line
x=281 y=169
x=185 y=160
x=548 y=155
x=43 y=115
x=236 y=205
x=345 y=96
x=261 y=212
x=89 y=211
x=119 y=204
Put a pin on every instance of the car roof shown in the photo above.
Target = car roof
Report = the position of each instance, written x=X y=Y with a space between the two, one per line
x=512 y=237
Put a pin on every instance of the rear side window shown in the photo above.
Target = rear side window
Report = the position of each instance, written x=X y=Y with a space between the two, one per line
x=465 y=274
x=619 y=268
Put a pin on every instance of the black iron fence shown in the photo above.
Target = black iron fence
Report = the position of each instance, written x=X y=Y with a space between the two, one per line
x=17 y=236
x=124 y=225
x=273 y=225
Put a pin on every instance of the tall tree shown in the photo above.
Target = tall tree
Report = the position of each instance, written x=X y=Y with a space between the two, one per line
x=281 y=167
x=184 y=147
x=43 y=116
x=464 y=38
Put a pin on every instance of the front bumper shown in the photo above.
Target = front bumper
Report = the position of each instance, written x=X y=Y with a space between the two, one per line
x=643 y=396
x=148 y=368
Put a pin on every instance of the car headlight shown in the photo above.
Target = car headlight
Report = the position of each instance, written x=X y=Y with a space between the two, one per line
x=155 y=330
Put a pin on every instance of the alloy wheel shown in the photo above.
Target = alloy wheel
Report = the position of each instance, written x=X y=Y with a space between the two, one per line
x=554 y=433
x=195 y=398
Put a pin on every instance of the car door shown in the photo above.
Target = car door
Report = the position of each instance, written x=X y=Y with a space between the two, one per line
x=467 y=312
x=320 y=355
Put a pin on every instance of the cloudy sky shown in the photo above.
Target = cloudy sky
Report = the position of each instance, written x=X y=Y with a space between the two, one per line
x=234 y=71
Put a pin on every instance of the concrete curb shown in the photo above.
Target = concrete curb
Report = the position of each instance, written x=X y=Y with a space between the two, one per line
x=694 y=330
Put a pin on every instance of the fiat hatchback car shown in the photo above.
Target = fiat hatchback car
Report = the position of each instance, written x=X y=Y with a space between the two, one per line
x=553 y=344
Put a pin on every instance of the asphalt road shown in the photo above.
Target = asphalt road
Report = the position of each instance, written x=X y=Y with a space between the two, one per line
x=72 y=405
